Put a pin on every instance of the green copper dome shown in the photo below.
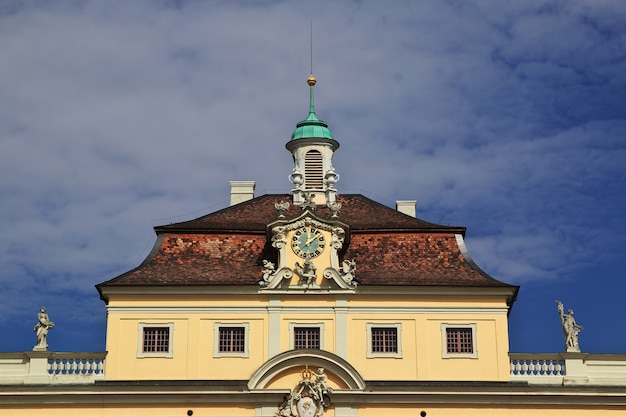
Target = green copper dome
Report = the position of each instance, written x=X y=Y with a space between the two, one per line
x=311 y=127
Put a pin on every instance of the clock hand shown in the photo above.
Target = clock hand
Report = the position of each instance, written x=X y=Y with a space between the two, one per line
x=310 y=240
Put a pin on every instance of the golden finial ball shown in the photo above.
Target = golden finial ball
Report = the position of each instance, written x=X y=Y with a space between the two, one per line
x=311 y=80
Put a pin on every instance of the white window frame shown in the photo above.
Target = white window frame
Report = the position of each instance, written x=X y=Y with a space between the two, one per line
x=140 y=337
x=292 y=333
x=216 y=340
x=444 y=340
x=370 y=353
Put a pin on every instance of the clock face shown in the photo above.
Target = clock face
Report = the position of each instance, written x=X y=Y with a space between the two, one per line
x=308 y=241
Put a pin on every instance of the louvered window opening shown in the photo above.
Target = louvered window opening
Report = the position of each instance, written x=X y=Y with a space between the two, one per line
x=232 y=339
x=306 y=338
x=384 y=340
x=313 y=170
x=156 y=339
x=459 y=340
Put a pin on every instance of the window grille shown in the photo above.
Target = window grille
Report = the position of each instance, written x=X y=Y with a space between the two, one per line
x=232 y=339
x=459 y=340
x=306 y=338
x=384 y=339
x=156 y=339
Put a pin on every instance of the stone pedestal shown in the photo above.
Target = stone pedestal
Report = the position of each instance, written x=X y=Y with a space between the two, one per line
x=575 y=370
x=37 y=372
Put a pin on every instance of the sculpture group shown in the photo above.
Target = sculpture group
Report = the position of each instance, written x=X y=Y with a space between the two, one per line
x=309 y=398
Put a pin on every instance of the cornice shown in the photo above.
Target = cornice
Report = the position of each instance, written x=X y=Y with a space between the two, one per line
x=379 y=393
x=307 y=310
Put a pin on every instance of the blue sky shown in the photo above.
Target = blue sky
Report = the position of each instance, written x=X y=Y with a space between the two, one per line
x=504 y=117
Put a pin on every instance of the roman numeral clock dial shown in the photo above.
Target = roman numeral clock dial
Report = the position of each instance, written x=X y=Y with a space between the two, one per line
x=308 y=242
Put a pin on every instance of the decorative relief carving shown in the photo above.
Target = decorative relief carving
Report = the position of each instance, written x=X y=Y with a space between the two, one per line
x=338 y=236
x=269 y=270
x=279 y=240
x=281 y=207
x=297 y=179
x=307 y=272
x=348 y=273
x=345 y=279
x=308 y=202
x=309 y=398
x=272 y=276
x=334 y=207
x=330 y=179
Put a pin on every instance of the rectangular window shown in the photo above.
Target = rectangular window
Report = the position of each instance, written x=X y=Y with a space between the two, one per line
x=384 y=340
x=155 y=340
x=306 y=338
x=232 y=339
x=458 y=340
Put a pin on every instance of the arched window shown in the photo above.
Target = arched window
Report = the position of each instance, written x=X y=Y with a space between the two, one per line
x=313 y=170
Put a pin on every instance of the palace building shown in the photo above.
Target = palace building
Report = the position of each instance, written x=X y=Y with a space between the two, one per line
x=310 y=304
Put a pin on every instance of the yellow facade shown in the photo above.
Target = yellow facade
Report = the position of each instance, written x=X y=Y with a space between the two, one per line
x=342 y=319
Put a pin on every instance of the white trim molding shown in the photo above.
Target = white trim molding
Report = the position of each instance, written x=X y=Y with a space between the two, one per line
x=444 y=340
x=372 y=354
x=170 y=340
x=294 y=325
x=216 y=340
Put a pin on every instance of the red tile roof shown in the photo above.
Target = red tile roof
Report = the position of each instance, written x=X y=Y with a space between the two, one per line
x=227 y=248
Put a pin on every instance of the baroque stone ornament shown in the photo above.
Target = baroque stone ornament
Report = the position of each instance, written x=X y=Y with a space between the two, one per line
x=269 y=269
x=279 y=240
x=307 y=272
x=308 y=202
x=335 y=207
x=41 y=329
x=311 y=239
x=570 y=328
x=309 y=398
x=281 y=207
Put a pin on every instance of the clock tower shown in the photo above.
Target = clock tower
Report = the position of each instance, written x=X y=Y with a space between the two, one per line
x=308 y=245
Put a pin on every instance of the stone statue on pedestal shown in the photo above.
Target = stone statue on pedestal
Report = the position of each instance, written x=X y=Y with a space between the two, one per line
x=570 y=328
x=41 y=329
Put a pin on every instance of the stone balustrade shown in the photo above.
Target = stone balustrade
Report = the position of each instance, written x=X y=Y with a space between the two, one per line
x=570 y=368
x=44 y=367
x=537 y=368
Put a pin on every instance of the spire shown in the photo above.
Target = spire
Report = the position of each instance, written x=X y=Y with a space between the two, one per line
x=311 y=127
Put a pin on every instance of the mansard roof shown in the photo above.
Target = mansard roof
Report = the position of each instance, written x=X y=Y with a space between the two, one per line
x=227 y=248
